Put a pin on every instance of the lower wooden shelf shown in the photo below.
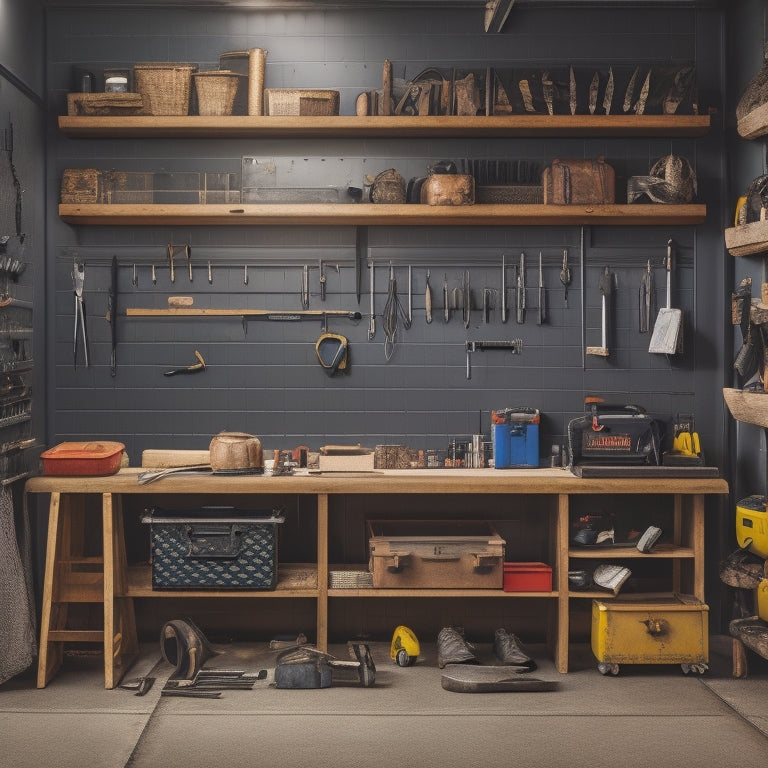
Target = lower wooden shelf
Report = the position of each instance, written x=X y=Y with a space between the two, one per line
x=294 y=580
x=404 y=593
x=625 y=553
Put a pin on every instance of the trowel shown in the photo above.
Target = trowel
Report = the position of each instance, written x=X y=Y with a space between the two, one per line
x=667 y=338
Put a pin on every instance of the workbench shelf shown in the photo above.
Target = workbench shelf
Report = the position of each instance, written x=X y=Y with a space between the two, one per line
x=546 y=496
x=343 y=126
x=369 y=214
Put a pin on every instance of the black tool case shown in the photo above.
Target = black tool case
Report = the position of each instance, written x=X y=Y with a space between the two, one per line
x=213 y=548
x=614 y=434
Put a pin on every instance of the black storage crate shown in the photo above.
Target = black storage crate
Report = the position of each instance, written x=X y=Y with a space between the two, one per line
x=213 y=548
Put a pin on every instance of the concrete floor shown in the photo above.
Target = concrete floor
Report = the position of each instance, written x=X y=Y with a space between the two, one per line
x=646 y=715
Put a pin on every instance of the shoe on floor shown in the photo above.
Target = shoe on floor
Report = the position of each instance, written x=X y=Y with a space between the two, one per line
x=509 y=650
x=452 y=648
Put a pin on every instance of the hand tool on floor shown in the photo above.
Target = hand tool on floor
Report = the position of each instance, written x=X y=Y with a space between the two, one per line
x=112 y=315
x=195 y=368
x=428 y=300
x=514 y=345
x=78 y=282
x=667 y=337
x=521 y=290
x=647 y=291
x=565 y=275
x=606 y=289
x=541 y=316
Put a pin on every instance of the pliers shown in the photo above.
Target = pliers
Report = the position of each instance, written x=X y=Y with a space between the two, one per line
x=78 y=281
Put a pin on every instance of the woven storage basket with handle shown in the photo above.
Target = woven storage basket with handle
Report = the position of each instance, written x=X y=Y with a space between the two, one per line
x=295 y=101
x=165 y=87
x=216 y=91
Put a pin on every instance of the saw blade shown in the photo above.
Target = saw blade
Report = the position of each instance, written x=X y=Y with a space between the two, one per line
x=640 y=104
x=593 y=88
x=630 y=90
x=608 y=97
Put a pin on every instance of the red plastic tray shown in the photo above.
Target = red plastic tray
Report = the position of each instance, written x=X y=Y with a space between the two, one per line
x=527 y=577
x=91 y=458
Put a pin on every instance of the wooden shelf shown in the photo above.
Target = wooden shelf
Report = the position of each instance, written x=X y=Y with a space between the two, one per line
x=293 y=581
x=747 y=239
x=624 y=553
x=343 y=126
x=494 y=593
x=380 y=215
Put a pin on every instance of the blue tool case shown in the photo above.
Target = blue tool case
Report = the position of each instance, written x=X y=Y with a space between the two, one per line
x=213 y=548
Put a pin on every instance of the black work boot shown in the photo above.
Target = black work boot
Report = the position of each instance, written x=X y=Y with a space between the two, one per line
x=509 y=650
x=452 y=648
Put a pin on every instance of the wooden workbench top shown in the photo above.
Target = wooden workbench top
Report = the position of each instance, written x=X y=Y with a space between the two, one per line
x=431 y=481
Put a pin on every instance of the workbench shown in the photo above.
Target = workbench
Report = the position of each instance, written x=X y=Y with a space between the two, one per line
x=74 y=577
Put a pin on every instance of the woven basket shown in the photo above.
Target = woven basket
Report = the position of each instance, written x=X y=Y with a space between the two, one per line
x=750 y=407
x=216 y=91
x=165 y=87
x=295 y=101
x=104 y=104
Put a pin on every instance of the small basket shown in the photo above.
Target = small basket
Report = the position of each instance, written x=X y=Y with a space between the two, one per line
x=295 y=101
x=216 y=91
x=165 y=87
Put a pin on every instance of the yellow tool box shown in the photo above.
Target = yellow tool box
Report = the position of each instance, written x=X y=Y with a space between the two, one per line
x=752 y=524
x=665 y=630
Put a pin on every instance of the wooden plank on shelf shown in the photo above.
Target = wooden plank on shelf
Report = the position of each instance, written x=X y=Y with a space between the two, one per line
x=747 y=239
x=754 y=124
x=395 y=126
x=382 y=215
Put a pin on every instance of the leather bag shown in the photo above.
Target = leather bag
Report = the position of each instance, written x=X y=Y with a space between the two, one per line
x=579 y=182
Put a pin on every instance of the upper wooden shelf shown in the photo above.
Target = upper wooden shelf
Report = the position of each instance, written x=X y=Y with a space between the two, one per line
x=364 y=214
x=343 y=126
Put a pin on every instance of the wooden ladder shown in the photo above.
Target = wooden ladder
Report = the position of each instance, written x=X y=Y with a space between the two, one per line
x=72 y=577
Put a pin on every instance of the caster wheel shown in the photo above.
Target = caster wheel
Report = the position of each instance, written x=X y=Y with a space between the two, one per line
x=403 y=659
x=604 y=668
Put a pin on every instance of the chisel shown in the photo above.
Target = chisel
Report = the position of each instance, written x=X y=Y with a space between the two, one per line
x=542 y=308
x=606 y=288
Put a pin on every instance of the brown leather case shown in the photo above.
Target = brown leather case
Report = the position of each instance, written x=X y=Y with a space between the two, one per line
x=448 y=189
x=579 y=182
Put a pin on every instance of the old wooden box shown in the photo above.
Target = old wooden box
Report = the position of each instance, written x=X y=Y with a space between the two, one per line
x=435 y=554
x=663 y=630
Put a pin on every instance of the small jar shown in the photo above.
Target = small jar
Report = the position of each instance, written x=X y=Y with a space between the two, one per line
x=116 y=84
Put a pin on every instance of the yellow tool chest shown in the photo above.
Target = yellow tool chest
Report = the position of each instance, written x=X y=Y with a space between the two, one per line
x=666 y=630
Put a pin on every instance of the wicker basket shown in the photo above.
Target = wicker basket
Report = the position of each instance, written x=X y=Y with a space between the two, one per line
x=165 y=87
x=92 y=104
x=295 y=101
x=750 y=407
x=216 y=91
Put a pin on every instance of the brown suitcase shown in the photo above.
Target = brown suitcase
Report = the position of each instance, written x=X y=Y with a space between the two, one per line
x=448 y=189
x=435 y=554
x=579 y=182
